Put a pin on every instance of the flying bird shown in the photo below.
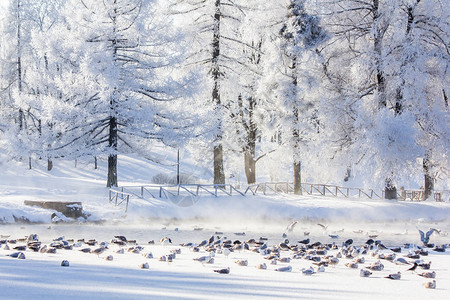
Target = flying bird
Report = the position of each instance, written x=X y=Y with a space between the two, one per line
x=425 y=237
x=291 y=226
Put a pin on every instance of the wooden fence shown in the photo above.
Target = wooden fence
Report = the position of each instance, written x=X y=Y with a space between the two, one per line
x=122 y=194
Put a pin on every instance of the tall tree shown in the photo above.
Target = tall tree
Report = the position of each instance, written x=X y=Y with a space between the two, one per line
x=214 y=24
x=117 y=86
x=292 y=77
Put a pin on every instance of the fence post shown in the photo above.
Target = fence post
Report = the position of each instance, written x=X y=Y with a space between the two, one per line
x=126 y=207
x=142 y=191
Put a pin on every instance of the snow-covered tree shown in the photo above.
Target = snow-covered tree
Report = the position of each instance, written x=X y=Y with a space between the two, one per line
x=117 y=87
x=216 y=47
x=291 y=80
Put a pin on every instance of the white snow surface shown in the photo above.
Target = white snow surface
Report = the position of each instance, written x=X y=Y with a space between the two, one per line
x=90 y=276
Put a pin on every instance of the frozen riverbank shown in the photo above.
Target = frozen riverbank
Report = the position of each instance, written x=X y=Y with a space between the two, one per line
x=91 y=276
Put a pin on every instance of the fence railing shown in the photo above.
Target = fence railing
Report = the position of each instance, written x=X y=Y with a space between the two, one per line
x=118 y=197
x=122 y=194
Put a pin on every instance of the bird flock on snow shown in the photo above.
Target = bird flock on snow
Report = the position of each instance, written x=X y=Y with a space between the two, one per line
x=320 y=256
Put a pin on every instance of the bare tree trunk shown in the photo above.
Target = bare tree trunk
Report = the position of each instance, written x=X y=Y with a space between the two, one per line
x=112 y=158
x=428 y=179
x=297 y=178
x=250 y=167
x=219 y=173
x=390 y=191
x=95 y=162
x=49 y=164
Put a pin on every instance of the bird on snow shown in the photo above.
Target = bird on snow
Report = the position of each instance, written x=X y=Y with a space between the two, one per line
x=414 y=267
x=394 y=276
x=352 y=265
x=121 y=238
x=144 y=266
x=223 y=271
x=430 y=284
x=320 y=269
x=365 y=273
x=98 y=251
x=308 y=271
x=243 y=262
x=428 y=274
x=284 y=269
x=262 y=266
x=18 y=255
x=166 y=241
x=400 y=261
x=65 y=263
x=425 y=266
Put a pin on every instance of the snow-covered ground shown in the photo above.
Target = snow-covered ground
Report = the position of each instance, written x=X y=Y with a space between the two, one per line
x=41 y=275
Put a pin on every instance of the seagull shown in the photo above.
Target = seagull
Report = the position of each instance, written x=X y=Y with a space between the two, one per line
x=323 y=226
x=121 y=237
x=394 y=276
x=223 y=271
x=321 y=269
x=18 y=255
x=309 y=271
x=291 y=226
x=400 y=261
x=262 y=266
x=284 y=269
x=65 y=263
x=430 y=284
x=425 y=266
x=413 y=268
x=243 y=262
x=365 y=273
x=428 y=274
x=352 y=265
x=144 y=266
x=98 y=251
x=425 y=237
x=166 y=241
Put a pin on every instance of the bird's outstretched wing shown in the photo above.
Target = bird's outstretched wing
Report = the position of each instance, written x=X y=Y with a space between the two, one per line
x=291 y=226
x=422 y=236
x=429 y=233
x=323 y=226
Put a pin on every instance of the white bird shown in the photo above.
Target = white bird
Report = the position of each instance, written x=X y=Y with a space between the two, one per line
x=284 y=269
x=243 y=262
x=291 y=226
x=262 y=266
x=309 y=271
x=430 y=284
x=394 y=276
x=428 y=274
x=166 y=241
x=144 y=266
x=320 y=269
x=226 y=252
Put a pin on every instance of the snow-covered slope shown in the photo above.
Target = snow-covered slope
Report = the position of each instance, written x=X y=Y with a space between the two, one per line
x=67 y=182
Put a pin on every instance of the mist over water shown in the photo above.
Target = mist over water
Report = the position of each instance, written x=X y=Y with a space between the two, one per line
x=181 y=231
